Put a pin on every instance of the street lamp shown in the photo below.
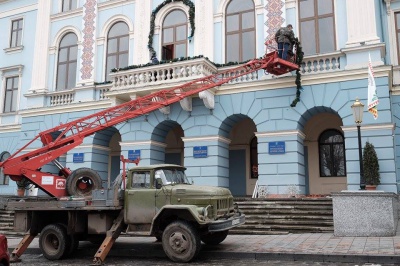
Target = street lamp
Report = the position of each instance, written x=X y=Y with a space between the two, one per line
x=358 y=110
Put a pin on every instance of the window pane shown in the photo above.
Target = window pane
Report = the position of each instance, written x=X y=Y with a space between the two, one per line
x=175 y=17
x=112 y=46
x=338 y=160
x=397 y=21
x=325 y=7
x=180 y=50
x=232 y=53
x=232 y=23
x=307 y=33
x=19 y=38
x=71 y=75
x=111 y=61
x=69 y=39
x=306 y=8
x=7 y=102
x=14 y=101
x=65 y=5
x=326 y=35
x=9 y=84
x=118 y=29
x=61 y=77
x=73 y=53
x=62 y=55
x=248 y=45
x=181 y=33
x=247 y=20
x=325 y=160
x=123 y=60
x=13 y=39
x=239 y=5
x=15 y=24
x=168 y=35
x=123 y=44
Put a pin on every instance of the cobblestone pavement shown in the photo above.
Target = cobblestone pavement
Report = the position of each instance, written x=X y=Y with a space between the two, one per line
x=39 y=260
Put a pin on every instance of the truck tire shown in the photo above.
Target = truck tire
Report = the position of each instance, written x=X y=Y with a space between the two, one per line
x=82 y=181
x=72 y=244
x=53 y=241
x=181 y=241
x=214 y=238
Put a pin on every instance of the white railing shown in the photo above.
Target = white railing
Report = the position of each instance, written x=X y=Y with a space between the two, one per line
x=321 y=63
x=101 y=92
x=61 y=98
x=162 y=74
x=245 y=78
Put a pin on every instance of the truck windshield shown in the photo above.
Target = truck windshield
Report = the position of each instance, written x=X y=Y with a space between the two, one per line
x=172 y=176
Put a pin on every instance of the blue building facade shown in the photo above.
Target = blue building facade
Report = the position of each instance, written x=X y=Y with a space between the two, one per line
x=62 y=60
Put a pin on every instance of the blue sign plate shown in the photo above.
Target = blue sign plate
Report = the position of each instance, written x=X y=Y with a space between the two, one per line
x=78 y=157
x=200 y=152
x=277 y=147
x=133 y=154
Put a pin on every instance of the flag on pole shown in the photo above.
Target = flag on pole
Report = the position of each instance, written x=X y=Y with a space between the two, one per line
x=373 y=100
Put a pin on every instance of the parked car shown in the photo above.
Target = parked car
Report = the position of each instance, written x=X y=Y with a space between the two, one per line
x=4 y=254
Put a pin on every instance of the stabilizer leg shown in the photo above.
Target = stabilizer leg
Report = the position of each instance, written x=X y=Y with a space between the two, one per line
x=22 y=246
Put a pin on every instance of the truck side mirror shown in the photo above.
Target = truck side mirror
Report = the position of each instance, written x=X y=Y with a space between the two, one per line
x=158 y=183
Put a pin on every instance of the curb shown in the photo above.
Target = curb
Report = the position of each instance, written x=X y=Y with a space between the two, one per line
x=259 y=256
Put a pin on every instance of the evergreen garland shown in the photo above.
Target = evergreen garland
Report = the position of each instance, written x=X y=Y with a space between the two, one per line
x=153 y=17
x=299 y=61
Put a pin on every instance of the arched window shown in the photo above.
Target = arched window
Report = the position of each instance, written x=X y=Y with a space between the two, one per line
x=332 y=161
x=117 y=47
x=67 y=60
x=317 y=26
x=240 y=31
x=174 y=35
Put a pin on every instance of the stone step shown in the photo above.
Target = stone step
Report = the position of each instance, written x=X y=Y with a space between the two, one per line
x=290 y=203
x=238 y=231
x=288 y=211
x=277 y=206
x=288 y=217
x=289 y=222
x=289 y=228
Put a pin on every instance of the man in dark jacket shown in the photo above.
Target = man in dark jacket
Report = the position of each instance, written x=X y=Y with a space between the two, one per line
x=285 y=39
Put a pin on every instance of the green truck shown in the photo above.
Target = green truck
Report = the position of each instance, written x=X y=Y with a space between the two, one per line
x=155 y=200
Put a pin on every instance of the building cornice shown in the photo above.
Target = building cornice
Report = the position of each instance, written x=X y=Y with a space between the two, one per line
x=280 y=134
x=206 y=138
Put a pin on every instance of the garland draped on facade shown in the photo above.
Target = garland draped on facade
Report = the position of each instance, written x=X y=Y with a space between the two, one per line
x=153 y=17
x=299 y=62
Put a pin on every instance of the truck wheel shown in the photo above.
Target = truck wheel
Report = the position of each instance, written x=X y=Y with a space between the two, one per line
x=82 y=181
x=53 y=241
x=181 y=242
x=72 y=243
x=214 y=238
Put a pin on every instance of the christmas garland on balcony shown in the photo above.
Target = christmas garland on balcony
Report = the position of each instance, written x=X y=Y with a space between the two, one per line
x=299 y=62
x=153 y=17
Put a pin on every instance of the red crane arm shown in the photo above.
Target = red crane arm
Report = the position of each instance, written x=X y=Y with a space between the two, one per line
x=60 y=139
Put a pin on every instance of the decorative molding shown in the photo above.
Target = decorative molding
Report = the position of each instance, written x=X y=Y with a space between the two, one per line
x=10 y=128
x=75 y=107
x=18 y=11
x=65 y=15
x=92 y=147
x=18 y=68
x=207 y=138
x=186 y=104
x=14 y=49
x=281 y=133
x=114 y=3
x=89 y=33
x=208 y=98
x=142 y=143
x=370 y=127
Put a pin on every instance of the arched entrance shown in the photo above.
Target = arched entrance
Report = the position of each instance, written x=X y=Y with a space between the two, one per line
x=243 y=154
x=324 y=150
x=106 y=154
x=170 y=133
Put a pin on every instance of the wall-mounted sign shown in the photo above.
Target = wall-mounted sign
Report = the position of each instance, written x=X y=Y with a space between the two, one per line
x=133 y=154
x=78 y=157
x=277 y=147
x=200 y=152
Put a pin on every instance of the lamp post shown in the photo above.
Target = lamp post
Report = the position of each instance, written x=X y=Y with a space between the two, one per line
x=358 y=109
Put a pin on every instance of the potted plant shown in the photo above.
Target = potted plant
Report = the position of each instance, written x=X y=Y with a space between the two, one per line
x=371 y=167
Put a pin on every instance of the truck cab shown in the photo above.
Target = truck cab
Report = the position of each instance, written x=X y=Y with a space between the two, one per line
x=160 y=201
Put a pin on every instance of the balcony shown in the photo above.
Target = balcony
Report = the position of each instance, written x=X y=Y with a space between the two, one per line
x=322 y=63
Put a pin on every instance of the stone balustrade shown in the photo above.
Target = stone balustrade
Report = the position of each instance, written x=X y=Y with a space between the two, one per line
x=321 y=63
x=61 y=98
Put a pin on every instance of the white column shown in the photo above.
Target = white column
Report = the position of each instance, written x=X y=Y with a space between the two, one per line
x=141 y=29
x=204 y=22
x=361 y=23
x=40 y=57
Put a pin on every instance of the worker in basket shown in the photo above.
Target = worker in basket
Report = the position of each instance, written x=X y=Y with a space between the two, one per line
x=285 y=39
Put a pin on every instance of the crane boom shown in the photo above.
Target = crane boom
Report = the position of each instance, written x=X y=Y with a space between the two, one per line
x=64 y=137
